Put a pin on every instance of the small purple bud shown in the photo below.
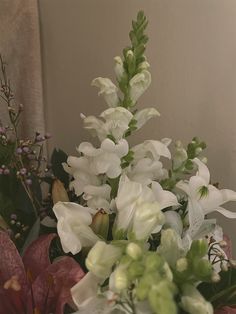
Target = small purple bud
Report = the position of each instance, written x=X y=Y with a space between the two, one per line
x=23 y=171
x=6 y=171
x=40 y=138
x=31 y=157
x=48 y=136
x=13 y=216
x=28 y=181
x=1 y=171
x=25 y=149
x=2 y=130
x=19 y=150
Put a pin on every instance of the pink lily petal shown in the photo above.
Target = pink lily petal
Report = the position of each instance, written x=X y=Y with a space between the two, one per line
x=51 y=288
x=228 y=249
x=11 y=263
x=226 y=310
x=36 y=257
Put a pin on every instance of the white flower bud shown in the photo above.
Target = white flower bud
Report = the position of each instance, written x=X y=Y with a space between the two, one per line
x=119 y=68
x=134 y=251
x=182 y=264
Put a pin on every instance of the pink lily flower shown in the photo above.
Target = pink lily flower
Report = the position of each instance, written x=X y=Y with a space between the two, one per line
x=32 y=284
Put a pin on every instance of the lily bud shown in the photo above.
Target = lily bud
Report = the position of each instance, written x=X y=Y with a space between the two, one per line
x=198 y=248
x=134 y=251
x=100 y=223
x=59 y=193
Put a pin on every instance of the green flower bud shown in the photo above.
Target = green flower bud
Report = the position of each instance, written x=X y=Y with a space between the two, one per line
x=153 y=262
x=182 y=264
x=135 y=270
x=100 y=223
x=161 y=298
x=145 y=283
x=199 y=248
x=134 y=250
x=119 y=279
x=202 y=268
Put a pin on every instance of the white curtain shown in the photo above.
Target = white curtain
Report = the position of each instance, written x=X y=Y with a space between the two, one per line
x=20 y=47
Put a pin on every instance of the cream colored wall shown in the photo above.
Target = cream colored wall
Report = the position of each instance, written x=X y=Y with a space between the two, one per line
x=192 y=51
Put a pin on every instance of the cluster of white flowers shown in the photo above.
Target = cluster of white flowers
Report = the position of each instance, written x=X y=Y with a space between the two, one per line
x=140 y=204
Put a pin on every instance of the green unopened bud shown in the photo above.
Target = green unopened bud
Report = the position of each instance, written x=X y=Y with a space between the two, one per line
x=202 y=268
x=153 y=262
x=135 y=270
x=119 y=279
x=161 y=298
x=134 y=251
x=59 y=193
x=199 y=248
x=182 y=264
x=100 y=223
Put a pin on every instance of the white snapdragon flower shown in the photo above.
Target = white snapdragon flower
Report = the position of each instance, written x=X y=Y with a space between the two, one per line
x=139 y=84
x=139 y=207
x=97 y=197
x=193 y=302
x=204 y=198
x=146 y=165
x=101 y=258
x=108 y=90
x=95 y=126
x=115 y=122
x=107 y=158
x=73 y=226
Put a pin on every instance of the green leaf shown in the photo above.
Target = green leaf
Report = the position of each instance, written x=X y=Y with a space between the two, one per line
x=33 y=235
x=6 y=153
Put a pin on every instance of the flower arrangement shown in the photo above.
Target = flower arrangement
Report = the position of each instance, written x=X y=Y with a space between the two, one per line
x=134 y=236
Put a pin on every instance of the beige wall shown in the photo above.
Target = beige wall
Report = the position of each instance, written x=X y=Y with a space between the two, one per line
x=192 y=52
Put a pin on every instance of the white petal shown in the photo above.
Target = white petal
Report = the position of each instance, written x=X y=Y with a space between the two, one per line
x=85 y=289
x=158 y=149
x=122 y=148
x=138 y=84
x=228 y=195
x=87 y=149
x=144 y=115
x=108 y=90
x=164 y=198
x=174 y=221
x=203 y=171
x=227 y=213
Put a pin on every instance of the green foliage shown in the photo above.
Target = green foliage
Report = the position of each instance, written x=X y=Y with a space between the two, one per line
x=222 y=293
x=6 y=152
